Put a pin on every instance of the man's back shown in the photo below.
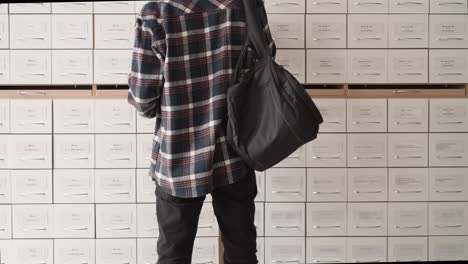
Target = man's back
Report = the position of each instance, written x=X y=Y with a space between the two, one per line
x=182 y=64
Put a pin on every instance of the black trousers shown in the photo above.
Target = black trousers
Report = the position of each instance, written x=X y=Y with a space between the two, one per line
x=234 y=208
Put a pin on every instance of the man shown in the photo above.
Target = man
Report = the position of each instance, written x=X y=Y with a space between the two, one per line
x=183 y=57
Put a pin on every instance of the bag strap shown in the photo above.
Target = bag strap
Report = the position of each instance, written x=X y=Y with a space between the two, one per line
x=254 y=28
x=254 y=36
x=240 y=61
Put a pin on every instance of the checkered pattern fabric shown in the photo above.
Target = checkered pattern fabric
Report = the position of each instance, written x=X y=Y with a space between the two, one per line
x=183 y=58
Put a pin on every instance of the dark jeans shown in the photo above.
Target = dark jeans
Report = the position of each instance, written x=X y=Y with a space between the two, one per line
x=234 y=208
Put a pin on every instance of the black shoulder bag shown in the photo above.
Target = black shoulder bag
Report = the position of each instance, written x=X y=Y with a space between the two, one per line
x=270 y=114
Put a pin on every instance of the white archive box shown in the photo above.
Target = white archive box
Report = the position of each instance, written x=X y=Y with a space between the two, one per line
x=295 y=159
x=327 y=184
x=207 y=222
x=5 y=222
x=366 y=249
x=144 y=150
x=74 y=251
x=147 y=223
x=294 y=61
x=285 y=249
x=112 y=66
x=25 y=251
x=407 y=249
x=326 y=31
x=259 y=219
x=33 y=221
x=408 y=31
x=323 y=6
x=73 y=221
x=448 y=184
x=326 y=219
x=287 y=30
x=6 y=248
x=146 y=187
x=367 y=6
x=367 y=219
x=285 y=184
x=448 y=248
x=366 y=115
x=448 y=149
x=448 y=31
x=260 y=181
x=4 y=31
x=114 y=116
x=326 y=249
x=367 y=66
x=72 y=66
x=333 y=112
x=112 y=251
x=73 y=115
x=31 y=186
x=408 y=66
x=448 y=65
x=114 y=7
x=139 y=4
x=448 y=6
x=31 y=116
x=30 y=31
x=327 y=150
x=72 y=8
x=145 y=125
x=4 y=66
x=30 y=152
x=408 y=149
x=73 y=185
x=205 y=250
x=4 y=154
x=114 y=31
x=116 y=151
x=408 y=184
x=5 y=186
x=285 y=219
x=73 y=151
x=24 y=8
x=407 y=219
x=261 y=250
x=408 y=115
x=4 y=116
x=4 y=8
x=146 y=252
x=367 y=184
x=285 y=6
x=72 y=31
x=367 y=150
x=326 y=66
x=448 y=218
x=413 y=7
x=448 y=115
x=116 y=220
x=115 y=185
x=367 y=31
x=30 y=66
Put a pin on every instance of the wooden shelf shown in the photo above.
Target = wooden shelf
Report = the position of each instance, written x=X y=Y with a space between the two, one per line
x=314 y=90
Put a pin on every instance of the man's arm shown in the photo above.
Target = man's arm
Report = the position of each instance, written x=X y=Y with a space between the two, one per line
x=146 y=79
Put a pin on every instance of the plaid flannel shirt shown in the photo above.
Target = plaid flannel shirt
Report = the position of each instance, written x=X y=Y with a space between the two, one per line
x=183 y=58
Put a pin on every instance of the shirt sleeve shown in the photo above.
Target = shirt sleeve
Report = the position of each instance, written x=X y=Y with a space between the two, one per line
x=146 y=77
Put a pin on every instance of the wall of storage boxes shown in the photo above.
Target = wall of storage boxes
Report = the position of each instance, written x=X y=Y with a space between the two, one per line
x=387 y=179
